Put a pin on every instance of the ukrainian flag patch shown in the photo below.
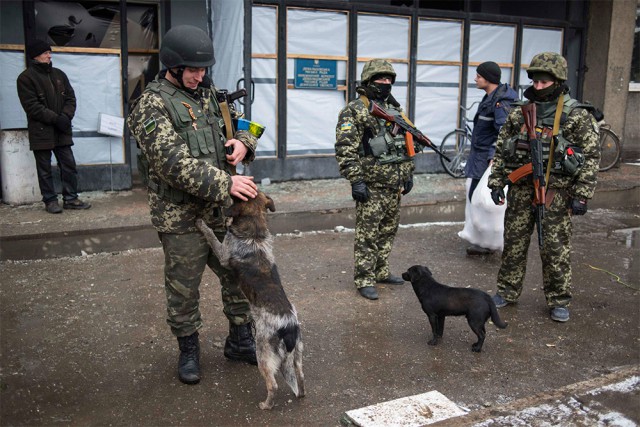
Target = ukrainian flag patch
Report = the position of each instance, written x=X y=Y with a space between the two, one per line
x=149 y=125
x=346 y=126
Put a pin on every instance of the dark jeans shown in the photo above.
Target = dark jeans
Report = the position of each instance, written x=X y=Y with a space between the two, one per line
x=68 y=173
x=472 y=187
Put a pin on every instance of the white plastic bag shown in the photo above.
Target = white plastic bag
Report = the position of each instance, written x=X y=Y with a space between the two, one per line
x=483 y=219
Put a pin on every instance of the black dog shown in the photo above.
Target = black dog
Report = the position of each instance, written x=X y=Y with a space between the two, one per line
x=439 y=301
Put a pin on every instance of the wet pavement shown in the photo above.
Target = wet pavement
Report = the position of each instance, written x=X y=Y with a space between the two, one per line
x=83 y=339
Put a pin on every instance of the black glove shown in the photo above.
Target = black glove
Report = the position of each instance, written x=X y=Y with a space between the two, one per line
x=359 y=191
x=407 y=186
x=63 y=124
x=578 y=206
x=497 y=195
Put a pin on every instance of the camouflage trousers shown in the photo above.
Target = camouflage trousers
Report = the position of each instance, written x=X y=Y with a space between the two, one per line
x=377 y=222
x=519 y=225
x=185 y=257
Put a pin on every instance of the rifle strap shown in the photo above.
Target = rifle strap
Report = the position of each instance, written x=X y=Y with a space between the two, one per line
x=228 y=126
x=556 y=130
x=365 y=101
x=226 y=116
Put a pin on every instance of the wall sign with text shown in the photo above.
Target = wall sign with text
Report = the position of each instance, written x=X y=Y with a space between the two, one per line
x=315 y=74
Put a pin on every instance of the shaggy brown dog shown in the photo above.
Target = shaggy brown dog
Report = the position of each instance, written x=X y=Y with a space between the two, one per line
x=439 y=301
x=246 y=250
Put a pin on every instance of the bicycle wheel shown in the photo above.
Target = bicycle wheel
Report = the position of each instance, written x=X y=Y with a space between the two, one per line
x=456 y=146
x=609 y=149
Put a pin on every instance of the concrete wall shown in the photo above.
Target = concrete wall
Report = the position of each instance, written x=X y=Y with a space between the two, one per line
x=631 y=135
x=18 y=169
x=608 y=58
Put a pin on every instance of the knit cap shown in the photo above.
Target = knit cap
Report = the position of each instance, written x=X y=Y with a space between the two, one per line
x=490 y=71
x=36 y=48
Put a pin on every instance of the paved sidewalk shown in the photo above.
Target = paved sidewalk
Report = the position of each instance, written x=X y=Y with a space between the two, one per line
x=120 y=220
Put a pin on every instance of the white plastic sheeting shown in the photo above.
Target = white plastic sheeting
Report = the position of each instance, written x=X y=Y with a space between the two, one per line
x=438 y=83
x=534 y=41
x=312 y=114
x=263 y=75
x=228 y=36
x=93 y=97
x=12 y=115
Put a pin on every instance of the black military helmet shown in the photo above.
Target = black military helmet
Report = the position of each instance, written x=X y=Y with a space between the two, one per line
x=187 y=46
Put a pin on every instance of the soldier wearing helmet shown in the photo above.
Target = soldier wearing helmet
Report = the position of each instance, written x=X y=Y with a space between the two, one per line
x=180 y=129
x=379 y=169
x=571 y=154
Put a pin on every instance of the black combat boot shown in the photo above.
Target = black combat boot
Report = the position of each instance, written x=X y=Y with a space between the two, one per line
x=240 y=344
x=189 y=362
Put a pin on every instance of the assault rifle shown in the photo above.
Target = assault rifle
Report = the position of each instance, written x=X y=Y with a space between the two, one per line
x=227 y=106
x=223 y=95
x=400 y=124
x=536 y=168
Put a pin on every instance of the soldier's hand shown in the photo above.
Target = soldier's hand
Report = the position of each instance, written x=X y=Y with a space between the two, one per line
x=497 y=195
x=407 y=186
x=578 y=206
x=359 y=191
x=236 y=151
x=243 y=187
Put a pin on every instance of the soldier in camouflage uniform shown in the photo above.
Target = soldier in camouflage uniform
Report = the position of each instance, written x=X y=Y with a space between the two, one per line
x=572 y=173
x=379 y=170
x=179 y=127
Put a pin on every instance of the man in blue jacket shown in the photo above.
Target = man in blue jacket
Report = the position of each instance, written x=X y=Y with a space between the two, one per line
x=491 y=115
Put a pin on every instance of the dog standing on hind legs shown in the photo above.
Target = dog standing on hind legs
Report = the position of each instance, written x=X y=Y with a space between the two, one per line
x=439 y=301
x=247 y=252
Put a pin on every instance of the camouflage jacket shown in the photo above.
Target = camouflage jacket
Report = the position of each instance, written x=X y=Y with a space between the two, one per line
x=579 y=128
x=205 y=177
x=355 y=123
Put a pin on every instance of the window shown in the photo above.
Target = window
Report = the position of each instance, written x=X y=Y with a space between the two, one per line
x=634 y=83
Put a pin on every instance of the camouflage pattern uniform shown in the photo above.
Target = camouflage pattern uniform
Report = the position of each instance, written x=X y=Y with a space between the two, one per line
x=181 y=136
x=378 y=218
x=579 y=128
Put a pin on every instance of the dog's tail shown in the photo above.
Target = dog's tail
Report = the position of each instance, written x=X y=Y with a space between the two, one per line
x=289 y=334
x=495 y=317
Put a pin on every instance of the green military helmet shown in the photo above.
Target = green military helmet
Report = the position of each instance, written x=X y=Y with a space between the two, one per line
x=187 y=46
x=376 y=67
x=549 y=62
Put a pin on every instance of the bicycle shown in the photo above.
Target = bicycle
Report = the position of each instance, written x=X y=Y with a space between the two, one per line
x=456 y=145
x=609 y=147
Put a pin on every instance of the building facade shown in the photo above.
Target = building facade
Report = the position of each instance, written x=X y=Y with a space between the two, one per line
x=300 y=62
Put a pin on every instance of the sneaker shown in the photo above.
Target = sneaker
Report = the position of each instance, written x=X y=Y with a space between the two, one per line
x=560 y=314
x=53 y=207
x=478 y=250
x=76 y=204
x=369 y=292
x=499 y=301
x=392 y=280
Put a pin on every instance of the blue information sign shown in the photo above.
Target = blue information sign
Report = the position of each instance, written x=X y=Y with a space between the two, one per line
x=315 y=74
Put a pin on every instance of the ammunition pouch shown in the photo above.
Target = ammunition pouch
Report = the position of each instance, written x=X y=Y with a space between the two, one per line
x=568 y=158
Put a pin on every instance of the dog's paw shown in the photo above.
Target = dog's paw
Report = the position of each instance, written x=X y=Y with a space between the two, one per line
x=265 y=406
x=476 y=348
x=433 y=341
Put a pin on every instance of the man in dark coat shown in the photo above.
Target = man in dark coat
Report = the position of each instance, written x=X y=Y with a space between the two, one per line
x=50 y=104
x=490 y=116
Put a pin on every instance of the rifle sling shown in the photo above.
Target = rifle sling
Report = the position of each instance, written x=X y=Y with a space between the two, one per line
x=228 y=125
x=556 y=129
x=525 y=170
